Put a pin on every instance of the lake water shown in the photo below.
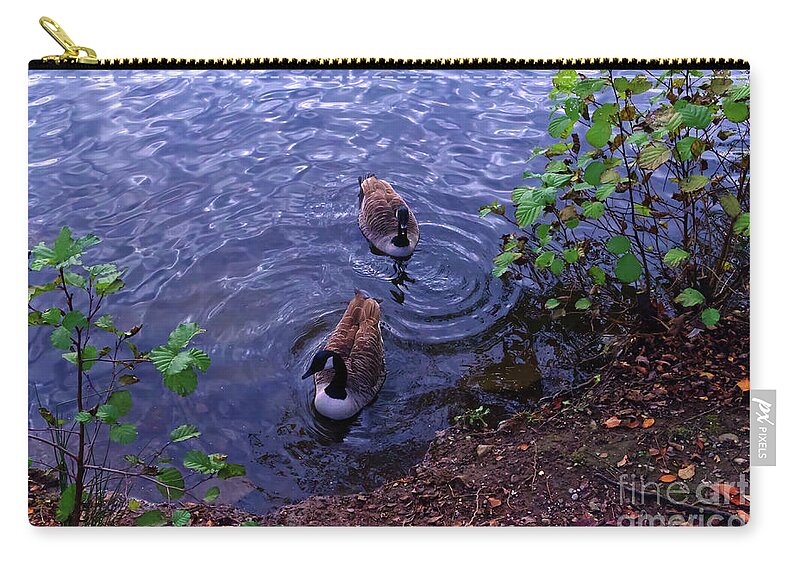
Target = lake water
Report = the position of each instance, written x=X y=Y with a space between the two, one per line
x=231 y=197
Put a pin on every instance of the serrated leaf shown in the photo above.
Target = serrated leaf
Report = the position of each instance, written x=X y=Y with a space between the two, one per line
x=571 y=255
x=544 y=259
x=557 y=267
x=183 y=383
x=527 y=213
x=60 y=338
x=181 y=518
x=593 y=210
x=211 y=494
x=74 y=279
x=628 y=268
x=735 y=111
x=690 y=297
x=89 y=356
x=122 y=400
x=83 y=417
x=604 y=191
x=618 y=245
x=652 y=156
x=693 y=183
x=183 y=333
x=184 y=432
x=150 y=518
x=593 y=172
x=171 y=483
x=66 y=504
x=695 y=116
x=202 y=463
x=675 y=256
x=597 y=275
x=230 y=470
x=123 y=433
x=74 y=319
x=105 y=322
x=710 y=317
x=108 y=413
x=583 y=304
x=52 y=316
x=638 y=138
x=551 y=303
x=560 y=127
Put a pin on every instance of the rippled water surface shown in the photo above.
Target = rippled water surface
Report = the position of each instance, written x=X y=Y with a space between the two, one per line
x=231 y=198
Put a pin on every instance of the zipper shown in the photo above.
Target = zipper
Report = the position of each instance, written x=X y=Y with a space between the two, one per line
x=79 y=57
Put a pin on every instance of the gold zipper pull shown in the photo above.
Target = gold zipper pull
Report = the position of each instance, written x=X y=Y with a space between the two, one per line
x=72 y=53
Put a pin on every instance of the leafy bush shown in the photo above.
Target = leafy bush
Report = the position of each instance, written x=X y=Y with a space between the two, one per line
x=78 y=328
x=643 y=195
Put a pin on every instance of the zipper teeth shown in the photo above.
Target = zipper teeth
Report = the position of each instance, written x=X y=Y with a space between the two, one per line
x=443 y=63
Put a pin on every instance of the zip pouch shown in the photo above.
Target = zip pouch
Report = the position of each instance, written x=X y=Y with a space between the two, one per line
x=388 y=292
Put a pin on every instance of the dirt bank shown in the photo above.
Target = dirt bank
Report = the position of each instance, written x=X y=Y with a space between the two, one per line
x=660 y=437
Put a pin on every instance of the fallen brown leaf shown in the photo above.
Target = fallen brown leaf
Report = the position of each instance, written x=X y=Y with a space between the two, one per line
x=612 y=422
x=494 y=502
x=523 y=446
x=623 y=461
x=687 y=472
x=648 y=422
x=667 y=478
x=744 y=384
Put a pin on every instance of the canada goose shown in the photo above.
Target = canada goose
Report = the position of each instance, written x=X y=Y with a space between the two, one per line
x=384 y=218
x=349 y=371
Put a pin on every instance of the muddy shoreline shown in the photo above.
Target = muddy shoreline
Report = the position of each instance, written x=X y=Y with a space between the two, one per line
x=661 y=437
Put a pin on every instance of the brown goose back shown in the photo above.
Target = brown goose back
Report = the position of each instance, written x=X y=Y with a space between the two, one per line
x=378 y=203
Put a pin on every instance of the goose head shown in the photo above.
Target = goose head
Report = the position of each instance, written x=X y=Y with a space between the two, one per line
x=329 y=360
x=401 y=239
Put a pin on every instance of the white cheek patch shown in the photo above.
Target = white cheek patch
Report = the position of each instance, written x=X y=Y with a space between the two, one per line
x=329 y=364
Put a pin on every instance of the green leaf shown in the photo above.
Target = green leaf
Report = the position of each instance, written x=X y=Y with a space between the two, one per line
x=74 y=319
x=231 y=470
x=604 y=191
x=690 y=297
x=108 y=285
x=181 y=518
x=105 y=322
x=654 y=155
x=571 y=255
x=555 y=179
x=710 y=317
x=684 y=148
x=638 y=138
x=557 y=267
x=695 y=116
x=121 y=399
x=735 y=111
x=693 y=183
x=527 y=213
x=171 y=483
x=639 y=85
x=211 y=494
x=565 y=80
x=179 y=363
x=560 y=127
x=127 y=380
x=618 y=245
x=675 y=256
x=52 y=317
x=642 y=210
x=586 y=87
x=183 y=383
x=182 y=334
x=60 y=338
x=598 y=134
x=597 y=275
x=551 y=303
x=150 y=518
x=742 y=224
x=184 y=432
x=83 y=417
x=593 y=172
x=730 y=205
x=36 y=290
x=583 y=304
x=89 y=356
x=593 y=210
x=545 y=259
x=66 y=504
x=628 y=268
x=108 y=413
x=610 y=176
x=74 y=279
x=123 y=433
x=202 y=463
x=739 y=92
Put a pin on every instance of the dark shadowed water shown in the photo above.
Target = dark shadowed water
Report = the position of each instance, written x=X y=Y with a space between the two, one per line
x=231 y=198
